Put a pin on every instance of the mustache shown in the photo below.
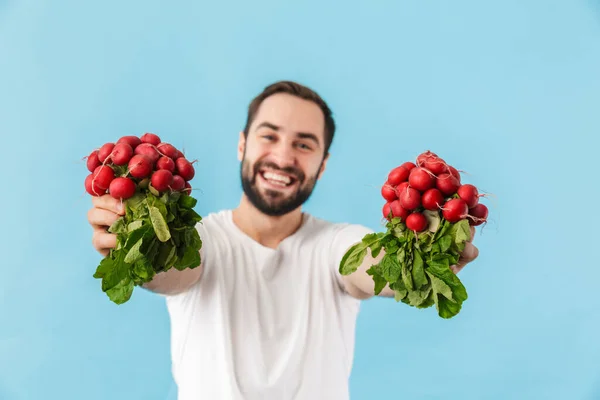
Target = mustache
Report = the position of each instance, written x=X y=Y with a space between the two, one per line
x=292 y=171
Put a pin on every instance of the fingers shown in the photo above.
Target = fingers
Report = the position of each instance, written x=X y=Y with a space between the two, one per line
x=470 y=253
x=472 y=228
x=100 y=218
x=109 y=203
x=103 y=241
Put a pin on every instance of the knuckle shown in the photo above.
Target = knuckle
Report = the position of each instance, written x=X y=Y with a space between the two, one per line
x=90 y=214
x=95 y=240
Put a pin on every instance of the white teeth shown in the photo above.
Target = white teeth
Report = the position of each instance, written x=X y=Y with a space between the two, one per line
x=277 y=178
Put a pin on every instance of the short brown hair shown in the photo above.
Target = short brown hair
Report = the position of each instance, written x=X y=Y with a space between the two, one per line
x=300 y=91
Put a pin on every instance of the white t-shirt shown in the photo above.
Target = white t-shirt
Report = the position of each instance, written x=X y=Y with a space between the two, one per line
x=262 y=323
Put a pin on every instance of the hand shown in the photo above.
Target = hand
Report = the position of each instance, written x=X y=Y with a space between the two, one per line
x=105 y=212
x=469 y=254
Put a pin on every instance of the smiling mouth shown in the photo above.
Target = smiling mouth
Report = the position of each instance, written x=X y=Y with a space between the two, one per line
x=277 y=179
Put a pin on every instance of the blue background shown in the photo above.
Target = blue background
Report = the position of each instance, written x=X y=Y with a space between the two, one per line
x=508 y=91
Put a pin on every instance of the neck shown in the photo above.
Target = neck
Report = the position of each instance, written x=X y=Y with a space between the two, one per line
x=266 y=230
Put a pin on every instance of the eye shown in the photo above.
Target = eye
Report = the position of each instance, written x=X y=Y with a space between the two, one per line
x=304 y=146
x=268 y=137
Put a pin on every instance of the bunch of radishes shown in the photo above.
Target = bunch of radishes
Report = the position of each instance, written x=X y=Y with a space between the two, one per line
x=138 y=162
x=430 y=184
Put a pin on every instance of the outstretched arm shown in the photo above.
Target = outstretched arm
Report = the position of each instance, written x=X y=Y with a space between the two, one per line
x=105 y=211
x=360 y=285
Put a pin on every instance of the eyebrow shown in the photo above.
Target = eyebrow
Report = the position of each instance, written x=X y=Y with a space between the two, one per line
x=301 y=135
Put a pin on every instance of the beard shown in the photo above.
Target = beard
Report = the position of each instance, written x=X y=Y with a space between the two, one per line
x=273 y=202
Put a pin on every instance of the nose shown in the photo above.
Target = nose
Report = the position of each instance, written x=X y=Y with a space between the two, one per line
x=284 y=155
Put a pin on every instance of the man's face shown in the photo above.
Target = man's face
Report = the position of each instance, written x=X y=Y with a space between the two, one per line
x=282 y=158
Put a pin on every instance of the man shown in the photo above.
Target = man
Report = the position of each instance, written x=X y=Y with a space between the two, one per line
x=267 y=316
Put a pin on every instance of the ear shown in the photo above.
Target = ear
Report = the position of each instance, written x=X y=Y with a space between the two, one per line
x=323 y=165
x=241 y=146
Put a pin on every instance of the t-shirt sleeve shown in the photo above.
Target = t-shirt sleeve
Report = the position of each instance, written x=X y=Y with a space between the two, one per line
x=345 y=236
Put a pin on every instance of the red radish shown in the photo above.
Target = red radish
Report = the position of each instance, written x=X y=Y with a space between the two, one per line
x=387 y=209
x=92 y=188
x=133 y=141
x=178 y=183
x=416 y=222
x=188 y=188
x=435 y=165
x=161 y=180
x=410 y=198
x=469 y=194
x=93 y=162
x=401 y=188
x=185 y=169
x=398 y=211
x=165 y=163
x=447 y=184
x=104 y=152
x=168 y=150
x=479 y=214
x=408 y=165
x=424 y=157
x=421 y=179
x=150 y=138
x=432 y=199
x=121 y=154
x=140 y=166
x=454 y=210
x=102 y=176
x=388 y=192
x=398 y=175
x=149 y=151
x=122 y=188
x=179 y=155
x=454 y=172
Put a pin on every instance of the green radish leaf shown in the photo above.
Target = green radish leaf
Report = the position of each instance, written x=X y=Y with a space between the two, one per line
x=166 y=252
x=401 y=255
x=446 y=308
x=134 y=236
x=459 y=293
x=463 y=231
x=400 y=291
x=118 y=226
x=407 y=278
x=106 y=265
x=445 y=242
x=190 y=259
x=392 y=248
x=444 y=228
x=121 y=292
x=137 y=224
x=377 y=245
x=143 y=270
x=133 y=255
x=433 y=220
x=440 y=287
x=418 y=297
x=418 y=271
x=136 y=202
x=119 y=272
x=353 y=259
x=378 y=280
x=159 y=224
x=356 y=254
x=187 y=202
x=190 y=217
x=428 y=302
x=390 y=268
